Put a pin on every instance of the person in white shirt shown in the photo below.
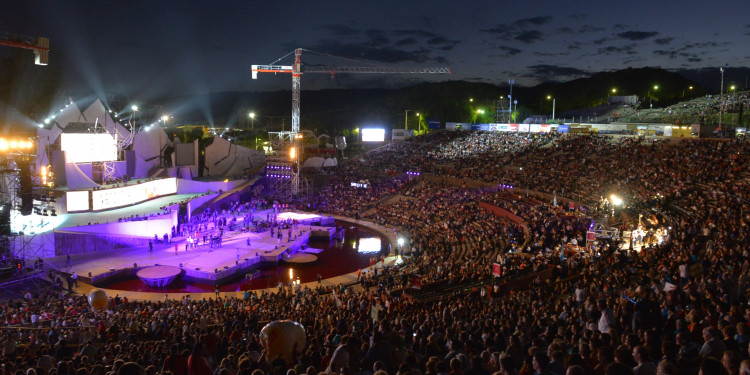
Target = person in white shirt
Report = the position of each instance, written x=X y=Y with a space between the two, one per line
x=607 y=320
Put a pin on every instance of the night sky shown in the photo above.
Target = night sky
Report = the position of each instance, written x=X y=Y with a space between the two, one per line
x=166 y=48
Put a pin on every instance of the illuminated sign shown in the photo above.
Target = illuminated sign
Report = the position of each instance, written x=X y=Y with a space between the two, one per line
x=77 y=201
x=373 y=135
x=360 y=185
x=88 y=147
x=124 y=196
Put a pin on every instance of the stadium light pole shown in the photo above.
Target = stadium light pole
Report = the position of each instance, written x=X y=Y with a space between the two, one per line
x=549 y=97
x=650 y=103
x=510 y=99
x=611 y=93
x=690 y=88
x=721 y=96
x=135 y=112
x=406 y=118
x=252 y=120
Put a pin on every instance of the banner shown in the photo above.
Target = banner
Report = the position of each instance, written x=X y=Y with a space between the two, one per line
x=416 y=281
x=497 y=270
x=523 y=128
x=480 y=127
x=457 y=126
x=563 y=128
x=590 y=236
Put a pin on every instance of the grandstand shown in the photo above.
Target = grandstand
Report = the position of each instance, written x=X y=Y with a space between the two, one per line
x=522 y=253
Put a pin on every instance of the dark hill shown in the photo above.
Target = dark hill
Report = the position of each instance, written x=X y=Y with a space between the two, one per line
x=333 y=110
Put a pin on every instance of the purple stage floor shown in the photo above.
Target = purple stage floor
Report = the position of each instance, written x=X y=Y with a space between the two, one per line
x=337 y=258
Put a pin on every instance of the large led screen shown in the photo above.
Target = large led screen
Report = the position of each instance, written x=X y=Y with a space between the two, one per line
x=124 y=196
x=369 y=245
x=373 y=135
x=77 y=201
x=88 y=147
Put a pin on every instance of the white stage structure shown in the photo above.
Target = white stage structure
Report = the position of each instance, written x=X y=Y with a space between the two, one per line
x=138 y=155
x=225 y=159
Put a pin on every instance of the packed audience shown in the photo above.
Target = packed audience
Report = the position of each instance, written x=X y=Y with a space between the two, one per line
x=675 y=307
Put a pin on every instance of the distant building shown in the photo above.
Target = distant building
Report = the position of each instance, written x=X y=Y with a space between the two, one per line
x=624 y=99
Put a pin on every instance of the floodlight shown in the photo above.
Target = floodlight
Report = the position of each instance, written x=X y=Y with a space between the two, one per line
x=135 y=107
x=616 y=200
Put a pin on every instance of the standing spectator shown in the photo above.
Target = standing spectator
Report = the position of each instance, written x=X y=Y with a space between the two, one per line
x=712 y=346
x=196 y=364
x=607 y=319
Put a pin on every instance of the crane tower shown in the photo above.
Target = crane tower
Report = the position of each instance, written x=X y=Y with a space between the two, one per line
x=39 y=45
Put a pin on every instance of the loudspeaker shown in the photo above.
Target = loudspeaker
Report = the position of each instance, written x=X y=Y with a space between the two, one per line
x=27 y=199
x=4 y=220
x=340 y=143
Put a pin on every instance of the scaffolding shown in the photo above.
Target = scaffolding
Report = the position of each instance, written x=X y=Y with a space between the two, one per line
x=503 y=111
x=284 y=180
x=23 y=238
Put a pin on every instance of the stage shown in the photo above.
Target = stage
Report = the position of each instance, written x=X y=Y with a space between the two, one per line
x=239 y=252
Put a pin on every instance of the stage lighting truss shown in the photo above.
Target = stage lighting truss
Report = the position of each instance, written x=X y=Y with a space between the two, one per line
x=17 y=246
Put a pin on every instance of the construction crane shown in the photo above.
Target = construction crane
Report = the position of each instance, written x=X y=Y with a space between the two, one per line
x=298 y=69
x=39 y=45
x=285 y=180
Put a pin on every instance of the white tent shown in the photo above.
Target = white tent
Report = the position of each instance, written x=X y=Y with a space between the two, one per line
x=314 y=162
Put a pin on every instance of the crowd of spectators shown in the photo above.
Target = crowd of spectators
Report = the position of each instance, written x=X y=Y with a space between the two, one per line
x=702 y=110
x=675 y=307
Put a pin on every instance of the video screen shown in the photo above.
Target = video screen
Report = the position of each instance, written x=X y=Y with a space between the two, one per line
x=88 y=148
x=373 y=135
x=77 y=201
x=369 y=245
